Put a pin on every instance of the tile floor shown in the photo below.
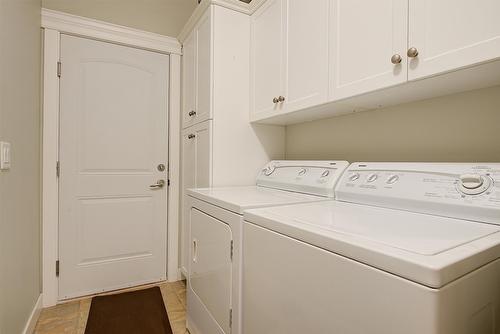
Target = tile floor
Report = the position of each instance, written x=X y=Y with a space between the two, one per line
x=71 y=317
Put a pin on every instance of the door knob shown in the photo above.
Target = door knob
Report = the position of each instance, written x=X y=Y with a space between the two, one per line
x=158 y=185
x=192 y=113
x=396 y=59
x=412 y=52
x=191 y=136
x=275 y=100
x=281 y=99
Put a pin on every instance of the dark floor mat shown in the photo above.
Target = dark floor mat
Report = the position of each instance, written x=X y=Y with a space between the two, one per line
x=136 y=312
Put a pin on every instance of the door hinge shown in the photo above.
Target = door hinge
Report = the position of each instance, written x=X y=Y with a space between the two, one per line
x=232 y=249
x=168 y=183
x=57 y=268
x=58 y=169
x=230 y=318
x=59 y=69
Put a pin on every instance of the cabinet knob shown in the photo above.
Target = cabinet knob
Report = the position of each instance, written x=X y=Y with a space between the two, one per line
x=275 y=100
x=412 y=52
x=396 y=59
x=192 y=113
x=281 y=99
x=191 y=136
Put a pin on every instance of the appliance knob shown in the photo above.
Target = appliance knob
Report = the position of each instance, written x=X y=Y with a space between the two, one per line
x=392 y=179
x=473 y=184
x=325 y=173
x=372 y=178
x=354 y=177
x=302 y=171
x=268 y=170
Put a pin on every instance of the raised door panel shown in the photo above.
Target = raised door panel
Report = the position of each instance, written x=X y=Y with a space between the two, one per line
x=451 y=34
x=204 y=69
x=306 y=57
x=267 y=48
x=189 y=80
x=365 y=35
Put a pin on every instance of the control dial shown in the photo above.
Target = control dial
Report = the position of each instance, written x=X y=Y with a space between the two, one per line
x=473 y=184
x=268 y=170
x=354 y=177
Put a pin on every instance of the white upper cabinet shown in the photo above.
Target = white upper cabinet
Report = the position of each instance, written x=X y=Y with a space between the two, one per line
x=306 y=56
x=267 y=67
x=197 y=73
x=451 y=34
x=289 y=68
x=368 y=45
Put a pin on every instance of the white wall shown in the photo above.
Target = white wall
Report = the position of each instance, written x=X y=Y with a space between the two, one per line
x=19 y=187
x=166 y=17
x=462 y=127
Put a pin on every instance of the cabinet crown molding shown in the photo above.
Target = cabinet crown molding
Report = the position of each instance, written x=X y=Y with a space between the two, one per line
x=236 y=5
x=82 y=26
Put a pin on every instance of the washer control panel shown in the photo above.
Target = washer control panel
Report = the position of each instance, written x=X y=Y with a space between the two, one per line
x=467 y=191
x=309 y=177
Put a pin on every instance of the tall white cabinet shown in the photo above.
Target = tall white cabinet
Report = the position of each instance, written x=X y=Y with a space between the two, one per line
x=219 y=145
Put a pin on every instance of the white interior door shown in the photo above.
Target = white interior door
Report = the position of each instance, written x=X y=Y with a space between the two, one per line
x=451 y=34
x=113 y=137
x=365 y=36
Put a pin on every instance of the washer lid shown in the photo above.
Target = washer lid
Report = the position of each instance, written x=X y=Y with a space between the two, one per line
x=237 y=199
x=427 y=249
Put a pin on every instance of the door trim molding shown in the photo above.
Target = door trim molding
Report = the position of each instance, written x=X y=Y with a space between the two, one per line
x=82 y=26
x=55 y=23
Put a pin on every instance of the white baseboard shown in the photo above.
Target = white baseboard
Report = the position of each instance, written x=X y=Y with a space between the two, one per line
x=35 y=313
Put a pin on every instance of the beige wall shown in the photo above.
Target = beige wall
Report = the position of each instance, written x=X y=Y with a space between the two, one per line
x=462 y=127
x=166 y=17
x=19 y=187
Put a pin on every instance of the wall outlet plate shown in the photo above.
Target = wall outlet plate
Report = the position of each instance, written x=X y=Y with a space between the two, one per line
x=4 y=155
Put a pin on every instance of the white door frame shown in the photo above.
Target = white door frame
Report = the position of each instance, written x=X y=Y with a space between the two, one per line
x=54 y=23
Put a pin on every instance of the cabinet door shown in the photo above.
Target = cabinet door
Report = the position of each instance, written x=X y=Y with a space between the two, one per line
x=306 y=57
x=365 y=36
x=196 y=173
x=267 y=70
x=210 y=272
x=204 y=68
x=451 y=34
x=189 y=80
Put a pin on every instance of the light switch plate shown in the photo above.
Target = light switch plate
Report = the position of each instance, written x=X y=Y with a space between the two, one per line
x=4 y=155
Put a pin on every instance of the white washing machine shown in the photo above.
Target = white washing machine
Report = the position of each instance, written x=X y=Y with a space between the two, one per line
x=215 y=218
x=405 y=249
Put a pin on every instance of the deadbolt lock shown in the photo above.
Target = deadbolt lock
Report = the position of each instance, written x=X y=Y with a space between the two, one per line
x=161 y=167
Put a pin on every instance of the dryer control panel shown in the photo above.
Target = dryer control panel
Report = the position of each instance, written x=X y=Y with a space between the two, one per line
x=466 y=191
x=309 y=177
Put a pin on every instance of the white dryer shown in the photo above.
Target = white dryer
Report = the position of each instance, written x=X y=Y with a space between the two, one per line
x=215 y=219
x=405 y=248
